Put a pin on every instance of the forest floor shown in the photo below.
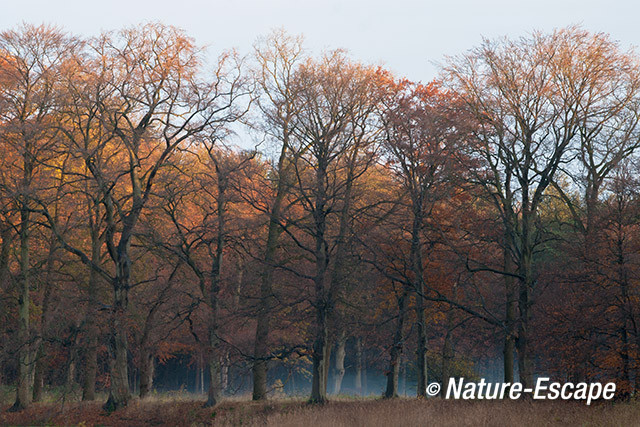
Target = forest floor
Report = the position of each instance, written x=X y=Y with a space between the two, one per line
x=173 y=410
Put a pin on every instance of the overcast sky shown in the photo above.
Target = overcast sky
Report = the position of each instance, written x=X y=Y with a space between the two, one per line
x=407 y=36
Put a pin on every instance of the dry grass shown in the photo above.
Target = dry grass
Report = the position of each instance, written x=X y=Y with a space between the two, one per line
x=292 y=412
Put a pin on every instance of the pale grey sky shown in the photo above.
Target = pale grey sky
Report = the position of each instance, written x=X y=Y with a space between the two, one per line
x=405 y=35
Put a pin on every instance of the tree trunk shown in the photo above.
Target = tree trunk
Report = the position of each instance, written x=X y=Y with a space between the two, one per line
x=215 y=385
x=71 y=365
x=23 y=397
x=91 y=346
x=261 y=344
x=339 y=273
x=510 y=316
x=201 y=365
x=395 y=352
x=327 y=358
x=119 y=394
x=266 y=303
x=525 y=362
x=147 y=369
x=448 y=349
x=447 y=359
x=626 y=304
x=321 y=302
x=5 y=273
x=422 y=350
x=404 y=375
x=71 y=375
x=418 y=284
x=224 y=375
x=340 y=354
x=318 y=381
x=40 y=362
x=38 y=376
x=358 y=379
x=91 y=353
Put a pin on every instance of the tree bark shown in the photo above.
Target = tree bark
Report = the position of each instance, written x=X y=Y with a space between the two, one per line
x=525 y=361
x=510 y=316
x=359 y=366
x=215 y=385
x=23 y=397
x=40 y=362
x=447 y=359
x=318 y=381
x=224 y=374
x=321 y=303
x=5 y=273
x=119 y=394
x=418 y=284
x=422 y=350
x=38 y=375
x=91 y=344
x=340 y=355
x=395 y=352
x=261 y=345
x=147 y=369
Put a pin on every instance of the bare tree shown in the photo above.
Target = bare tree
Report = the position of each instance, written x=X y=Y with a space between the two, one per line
x=333 y=101
x=30 y=59
x=151 y=98
x=421 y=136
x=528 y=96
x=277 y=57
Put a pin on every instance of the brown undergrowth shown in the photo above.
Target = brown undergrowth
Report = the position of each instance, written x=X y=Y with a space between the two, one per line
x=352 y=412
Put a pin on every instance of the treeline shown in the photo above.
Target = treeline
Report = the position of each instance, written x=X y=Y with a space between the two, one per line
x=495 y=209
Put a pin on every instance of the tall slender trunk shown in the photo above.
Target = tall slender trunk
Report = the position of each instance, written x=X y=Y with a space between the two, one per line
x=403 y=368
x=339 y=272
x=422 y=349
x=91 y=349
x=215 y=385
x=510 y=314
x=625 y=308
x=340 y=355
x=5 y=273
x=525 y=360
x=201 y=364
x=5 y=253
x=224 y=374
x=238 y=290
x=40 y=362
x=321 y=302
x=318 y=381
x=418 y=284
x=214 y=394
x=447 y=353
x=147 y=350
x=266 y=303
x=39 y=373
x=395 y=352
x=70 y=379
x=359 y=366
x=23 y=397
x=91 y=345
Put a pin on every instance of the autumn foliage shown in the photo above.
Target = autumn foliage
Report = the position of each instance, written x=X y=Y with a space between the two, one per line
x=294 y=223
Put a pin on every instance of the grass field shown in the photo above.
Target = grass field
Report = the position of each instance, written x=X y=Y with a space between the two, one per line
x=176 y=410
